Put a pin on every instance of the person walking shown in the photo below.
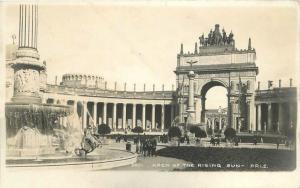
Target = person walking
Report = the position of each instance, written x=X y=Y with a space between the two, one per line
x=145 y=147
x=138 y=146
x=149 y=148
x=255 y=141
x=277 y=143
x=153 y=147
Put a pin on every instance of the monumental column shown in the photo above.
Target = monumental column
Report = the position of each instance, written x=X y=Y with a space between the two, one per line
x=191 y=107
x=27 y=66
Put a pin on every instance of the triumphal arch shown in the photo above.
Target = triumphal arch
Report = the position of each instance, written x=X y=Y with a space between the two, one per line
x=217 y=62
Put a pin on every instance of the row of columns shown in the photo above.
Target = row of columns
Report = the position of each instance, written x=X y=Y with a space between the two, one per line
x=114 y=115
x=212 y=122
x=286 y=115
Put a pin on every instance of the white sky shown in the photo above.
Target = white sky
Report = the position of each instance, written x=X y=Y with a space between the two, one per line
x=139 y=44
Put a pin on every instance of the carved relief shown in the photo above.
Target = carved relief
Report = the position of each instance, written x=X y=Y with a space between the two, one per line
x=27 y=81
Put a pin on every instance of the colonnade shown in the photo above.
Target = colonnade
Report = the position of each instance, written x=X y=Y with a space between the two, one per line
x=212 y=122
x=125 y=115
x=122 y=116
x=275 y=117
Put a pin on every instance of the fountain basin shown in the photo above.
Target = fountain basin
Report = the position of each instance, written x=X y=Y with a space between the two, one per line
x=30 y=128
x=104 y=158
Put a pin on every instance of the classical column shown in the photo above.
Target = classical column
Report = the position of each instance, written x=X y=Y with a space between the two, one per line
x=252 y=114
x=191 y=108
x=133 y=115
x=153 y=117
x=162 y=117
x=27 y=66
x=213 y=126
x=248 y=116
x=258 y=117
x=75 y=114
x=291 y=112
x=65 y=120
x=144 y=117
x=60 y=120
x=203 y=109
x=28 y=26
x=104 y=118
x=114 y=124
x=95 y=114
x=124 y=116
x=172 y=113
x=84 y=118
x=233 y=116
x=269 y=128
x=280 y=117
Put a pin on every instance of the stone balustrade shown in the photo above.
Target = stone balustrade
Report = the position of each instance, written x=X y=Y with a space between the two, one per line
x=109 y=93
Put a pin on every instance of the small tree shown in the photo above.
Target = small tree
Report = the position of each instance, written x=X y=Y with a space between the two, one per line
x=103 y=129
x=193 y=129
x=209 y=131
x=229 y=133
x=175 y=132
x=138 y=130
x=199 y=133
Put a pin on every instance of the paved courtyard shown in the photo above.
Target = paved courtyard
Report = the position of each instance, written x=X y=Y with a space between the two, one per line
x=162 y=163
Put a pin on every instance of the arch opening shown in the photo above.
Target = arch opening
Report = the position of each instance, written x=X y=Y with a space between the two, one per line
x=214 y=104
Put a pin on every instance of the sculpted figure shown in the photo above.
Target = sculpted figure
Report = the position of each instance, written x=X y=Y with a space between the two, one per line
x=230 y=38
x=210 y=38
x=20 y=81
x=224 y=38
x=205 y=41
x=201 y=40
x=217 y=35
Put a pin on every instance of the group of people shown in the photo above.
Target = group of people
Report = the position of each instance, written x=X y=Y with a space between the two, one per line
x=147 y=147
x=119 y=138
x=215 y=141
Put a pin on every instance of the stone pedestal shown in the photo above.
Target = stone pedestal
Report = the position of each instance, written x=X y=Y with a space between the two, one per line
x=27 y=76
